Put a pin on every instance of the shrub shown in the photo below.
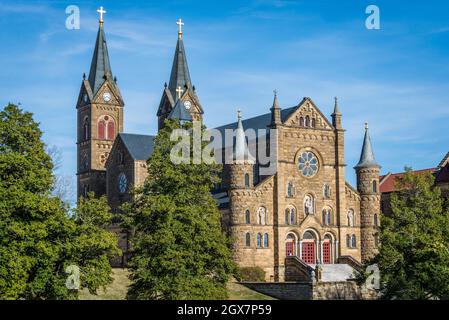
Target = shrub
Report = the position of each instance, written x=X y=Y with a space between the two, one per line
x=251 y=274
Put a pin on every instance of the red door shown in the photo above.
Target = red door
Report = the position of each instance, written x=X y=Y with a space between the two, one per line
x=308 y=252
x=326 y=252
x=289 y=248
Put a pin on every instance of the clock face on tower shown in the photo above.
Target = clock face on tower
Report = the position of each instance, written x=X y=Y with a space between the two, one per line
x=106 y=97
x=187 y=105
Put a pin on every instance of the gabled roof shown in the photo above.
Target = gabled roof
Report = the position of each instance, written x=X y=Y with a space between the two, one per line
x=388 y=182
x=180 y=112
x=444 y=161
x=442 y=175
x=140 y=147
x=100 y=68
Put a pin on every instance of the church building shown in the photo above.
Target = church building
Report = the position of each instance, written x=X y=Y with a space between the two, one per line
x=304 y=215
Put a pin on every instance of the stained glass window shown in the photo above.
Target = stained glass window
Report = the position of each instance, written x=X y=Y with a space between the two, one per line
x=308 y=164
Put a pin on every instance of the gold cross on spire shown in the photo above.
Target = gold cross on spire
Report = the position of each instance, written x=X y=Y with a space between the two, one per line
x=101 y=11
x=180 y=24
x=179 y=91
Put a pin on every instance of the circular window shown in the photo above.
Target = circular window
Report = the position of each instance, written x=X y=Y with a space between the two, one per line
x=122 y=183
x=308 y=164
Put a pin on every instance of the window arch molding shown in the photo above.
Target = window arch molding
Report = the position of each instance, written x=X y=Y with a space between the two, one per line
x=291 y=215
x=106 y=127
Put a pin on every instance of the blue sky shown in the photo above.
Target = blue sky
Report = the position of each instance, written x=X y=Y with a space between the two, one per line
x=396 y=78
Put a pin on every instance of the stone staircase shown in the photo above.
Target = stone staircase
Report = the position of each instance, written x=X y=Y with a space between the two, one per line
x=337 y=272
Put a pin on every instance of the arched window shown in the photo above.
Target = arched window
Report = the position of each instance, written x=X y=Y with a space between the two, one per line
x=290 y=216
x=86 y=190
x=111 y=130
x=327 y=217
x=353 y=241
x=351 y=218
x=255 y=174
x=121 y=158
x=309 y=205
x=248 y=239
x=262 y=216
x=348 y=241
x=313 y=123
x=376 y=240
x=246 y=180
x=265 y=240
x=259 y=240
x=102 y=130
x=307 y=124
x=376 y=220
x=290 y=190
x=375 y=186
x=301 y=121
x=106 y=128
x=326 y=191
x=247 y=217
x=86 y=129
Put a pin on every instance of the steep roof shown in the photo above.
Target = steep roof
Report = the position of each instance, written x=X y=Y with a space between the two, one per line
x=180 y=75
x=180 y=112
x=139 y=146
x=100 y=68
x=443 y=175
x=367 y=158
x=258 y=122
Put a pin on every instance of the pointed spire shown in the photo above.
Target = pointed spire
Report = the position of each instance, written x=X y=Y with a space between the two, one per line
x=100 y=68
x=275 y=111
x=275 y=101
x=180 y=75
x=367 y=158
x=336 y=107
x=241 y=152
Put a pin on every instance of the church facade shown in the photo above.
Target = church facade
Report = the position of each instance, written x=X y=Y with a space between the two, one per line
x=303 y=215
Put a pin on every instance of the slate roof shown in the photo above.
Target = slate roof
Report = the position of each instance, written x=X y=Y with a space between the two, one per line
x=367 y=158
x=100 y=68
x=180 y=112
x=139 y=146
x=180 y=75
x=258 y=122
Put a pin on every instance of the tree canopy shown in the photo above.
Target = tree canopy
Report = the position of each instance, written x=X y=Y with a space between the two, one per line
x=179 y=248
x=39 y=239
x=414 y=252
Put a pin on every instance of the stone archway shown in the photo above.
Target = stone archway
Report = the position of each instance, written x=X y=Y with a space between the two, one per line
x=309 y=247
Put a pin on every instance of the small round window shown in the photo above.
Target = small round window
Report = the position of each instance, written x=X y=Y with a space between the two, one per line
x=308 y=164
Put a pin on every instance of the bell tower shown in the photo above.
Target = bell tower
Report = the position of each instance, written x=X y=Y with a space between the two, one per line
x=180 y=89
x=100 y=118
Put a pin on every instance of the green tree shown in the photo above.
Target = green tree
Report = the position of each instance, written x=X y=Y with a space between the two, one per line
x=179 y=249
x=414 y=253
x=38 y=237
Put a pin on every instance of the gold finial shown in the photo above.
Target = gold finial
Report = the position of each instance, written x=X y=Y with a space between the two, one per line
x=239 y=114
x=101 y=11
x=180 y=24
x=366 y=125
x=275 y=92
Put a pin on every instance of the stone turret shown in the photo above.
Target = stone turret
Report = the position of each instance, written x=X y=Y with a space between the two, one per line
x=368 y=186
x=241 y=170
